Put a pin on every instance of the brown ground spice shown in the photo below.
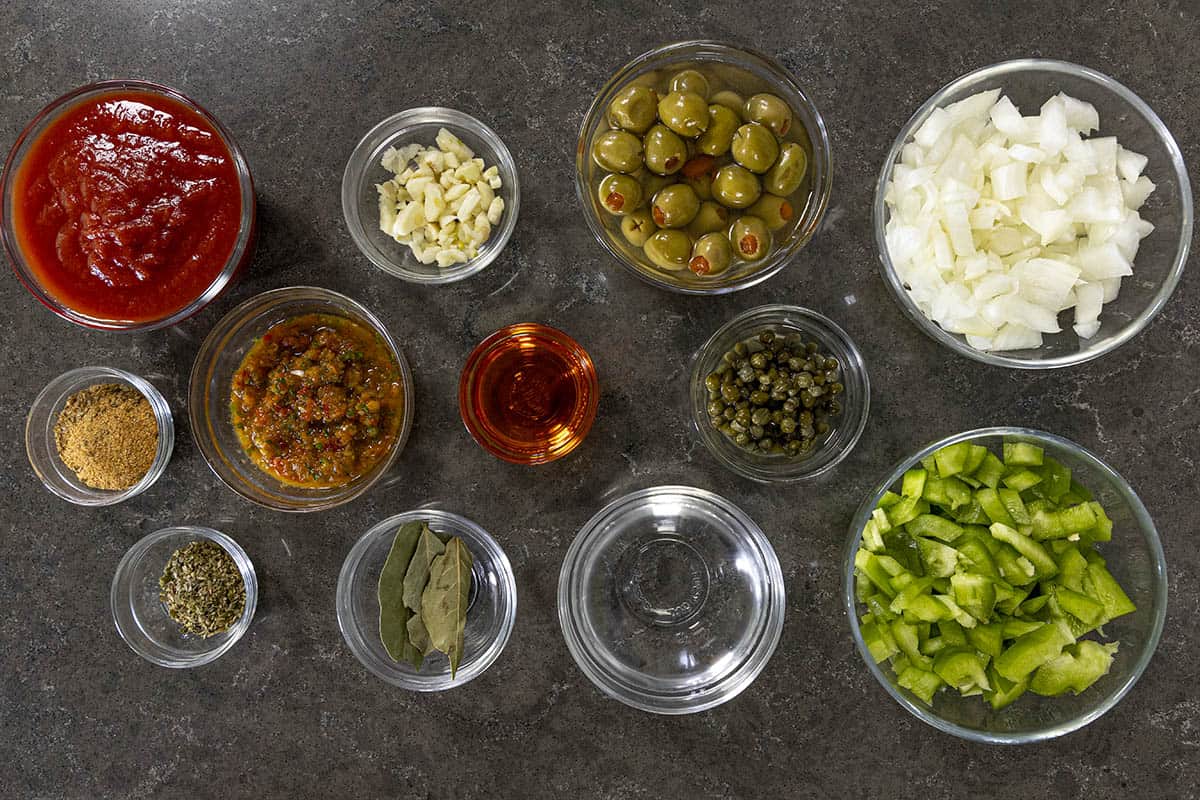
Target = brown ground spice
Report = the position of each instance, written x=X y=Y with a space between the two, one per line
x=107 y=435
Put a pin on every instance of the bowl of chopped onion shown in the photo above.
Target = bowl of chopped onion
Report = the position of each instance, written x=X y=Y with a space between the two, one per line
x=1033 y=214
x=431 y=195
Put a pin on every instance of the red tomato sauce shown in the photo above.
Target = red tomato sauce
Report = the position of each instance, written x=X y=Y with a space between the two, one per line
x=128 y=206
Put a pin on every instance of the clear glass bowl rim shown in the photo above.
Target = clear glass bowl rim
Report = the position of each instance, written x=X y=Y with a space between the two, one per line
x=821 y=154
x=879 y=213
x=219 y=338
x=710 y=696
x=58 y=388
x=396 y=125
x=466 y=672
x=138 y=551
x=824 y=328
x=246 y=225
x=1145 y=523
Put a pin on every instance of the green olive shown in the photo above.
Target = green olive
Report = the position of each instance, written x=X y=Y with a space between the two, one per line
x=730 y=99
x=670 y=249
x=722 y=123
x=711 y=254
x=665 y=153
x=620 y=194
x=651 y=183
x=618 y=151
x=638 y=226
x=735 y=187
x=788 y=172
x=690 y=80
x=754 y=147
x=711 y=217
x=750 y=238
x=769 y=110
x=686 y=113
x=774 y=210
x=635 y=108
x=701 y=184
x=675 y=206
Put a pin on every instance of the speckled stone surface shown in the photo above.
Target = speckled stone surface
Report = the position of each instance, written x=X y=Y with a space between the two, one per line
x=289 y=712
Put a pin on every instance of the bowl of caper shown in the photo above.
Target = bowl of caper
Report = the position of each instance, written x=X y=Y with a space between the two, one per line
x=703 y=167
x=779 y=393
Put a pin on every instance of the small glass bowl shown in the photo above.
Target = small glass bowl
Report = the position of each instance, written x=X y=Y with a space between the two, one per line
x=671 y=600
x=218 y=359
x=743 y=67
x=43 y=453
x=1134 y=556
x=360 y=200
x=844 y=432
x=477 y=380
x=1162 y=255
x=142 y=619
x=243 y=247
x=491 y=612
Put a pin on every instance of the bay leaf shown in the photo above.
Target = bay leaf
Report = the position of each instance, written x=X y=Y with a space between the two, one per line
x=418 y=635
x=393 y=614
x=444 y=601
x=429 y=547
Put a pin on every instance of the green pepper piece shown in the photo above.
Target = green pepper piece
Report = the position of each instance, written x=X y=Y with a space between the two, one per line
x=1100 y=585
x=926 y=608
x=978 y=556
x=961 y=668
x=909 y=593
x=1022 y=479
x=872 y=539
x=935 y=645
x=1032 y=650
x=972 y=514
x=1080 y=606
x=868 y=566
x=909 y=508
x=975 y=456
x=878 y=609
x=1076 y=668
x=953 y=633
x=929 y=464
x=1022 y=454
x=1014 y=568
x=1033 y=605
x=888 y=500
x=987 y=639
x=913 y=484
x=952 y=459
x=940 y=560
x=990 y=471
x=957 y=612
x=922 y=683
x=1063 y=523
x=1102 y=530
x=1016 y=628
x=934 y=526
x=1038 y=555
x=879 y=641
x=1072 y=566
x=949 y=493
x=974 y=593
x=1078 y=494
x=900 y=546
x=908 y=639
x=993 y=506
x=1012 y=503
x=1004 y=691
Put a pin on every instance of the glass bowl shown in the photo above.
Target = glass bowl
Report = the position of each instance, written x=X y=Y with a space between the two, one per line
x=218 y=359
x=516 y=358
x=491 y=611
x=360 y=201
x=1163 y=254
x=142 y=619
x=834 y=445
x=1134 y=556
x=43 y=453
x=243 y=247
x=671 y=600
x=747 y=71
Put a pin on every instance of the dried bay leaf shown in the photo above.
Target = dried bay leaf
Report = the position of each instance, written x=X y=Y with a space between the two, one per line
x=444 y=601
x=418 y=635
x=429 y=547
x=393 y=614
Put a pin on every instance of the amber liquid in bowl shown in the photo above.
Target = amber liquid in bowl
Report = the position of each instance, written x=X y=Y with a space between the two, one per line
x=528 y=394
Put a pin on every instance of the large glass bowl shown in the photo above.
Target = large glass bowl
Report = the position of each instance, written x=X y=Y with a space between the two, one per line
x=360 y=200
x=671 y=600
x=243 y=246
x=739 y=66
x=491 y=610
x=1163 y=254
x=1135 y=558
x=141 y=617
x=220 y=356
x=846 y=428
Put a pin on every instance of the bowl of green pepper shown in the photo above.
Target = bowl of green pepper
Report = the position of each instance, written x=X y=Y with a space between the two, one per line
x=1005 y=585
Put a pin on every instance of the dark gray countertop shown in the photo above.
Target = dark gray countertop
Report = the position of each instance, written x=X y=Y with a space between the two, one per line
x=289 y=712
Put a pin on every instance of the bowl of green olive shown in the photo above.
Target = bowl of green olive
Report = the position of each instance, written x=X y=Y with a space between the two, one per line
x=779 y=393
x=703 y=167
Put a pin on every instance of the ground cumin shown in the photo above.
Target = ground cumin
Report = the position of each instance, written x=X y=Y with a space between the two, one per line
x=107 y=435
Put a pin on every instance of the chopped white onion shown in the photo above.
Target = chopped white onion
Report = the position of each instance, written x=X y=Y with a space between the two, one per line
x=999 y=222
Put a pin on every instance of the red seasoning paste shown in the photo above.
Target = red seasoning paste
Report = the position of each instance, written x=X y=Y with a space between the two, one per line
x=127 y=206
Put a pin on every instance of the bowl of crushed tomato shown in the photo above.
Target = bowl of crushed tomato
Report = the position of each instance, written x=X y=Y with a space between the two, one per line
x=300 y=399
x=126 y=206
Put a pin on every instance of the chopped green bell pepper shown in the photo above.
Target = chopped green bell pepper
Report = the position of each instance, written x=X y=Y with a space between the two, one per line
x=1004 y=691
x=1076 y=668
x=1032 y=650
x=952 y=459
x=990 y=471
x=1099 y=584
x=1022 y=454
x=934 y=526
x=922 y=683
x=940 y=560
x=1038 y=555
x=1021 y=479
x=913 y=483
x=962 y=668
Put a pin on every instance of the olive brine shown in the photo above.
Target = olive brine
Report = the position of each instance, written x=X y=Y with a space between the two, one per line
x=699 y=178
x=775 y=394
